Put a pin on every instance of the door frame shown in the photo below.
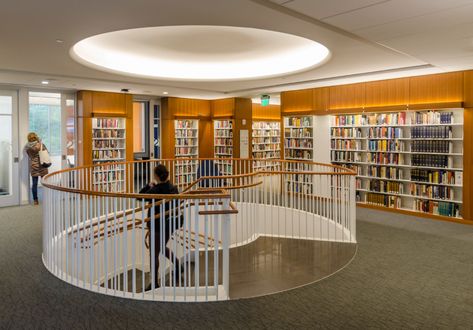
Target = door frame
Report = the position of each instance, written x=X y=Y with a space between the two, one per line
x=14 y=198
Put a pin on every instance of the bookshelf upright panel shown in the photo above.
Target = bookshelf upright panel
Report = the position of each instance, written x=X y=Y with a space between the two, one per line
x=410 y=160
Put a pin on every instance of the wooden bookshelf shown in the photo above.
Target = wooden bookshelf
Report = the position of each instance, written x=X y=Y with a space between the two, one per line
x=299 y=145
x=266 y=143
x=108 y=146
x=186 y=145
x=409 y=160
x=223 y=145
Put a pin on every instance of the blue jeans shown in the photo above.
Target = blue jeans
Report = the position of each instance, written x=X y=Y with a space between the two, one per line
x=34 y=188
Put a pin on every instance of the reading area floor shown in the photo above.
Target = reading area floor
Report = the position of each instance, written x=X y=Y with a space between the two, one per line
x=408 y=272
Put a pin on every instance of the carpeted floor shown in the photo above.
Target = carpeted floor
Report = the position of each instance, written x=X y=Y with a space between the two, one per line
x=408 y=273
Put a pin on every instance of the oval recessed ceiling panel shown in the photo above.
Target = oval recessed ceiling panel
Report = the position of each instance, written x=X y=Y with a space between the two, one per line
x=199 y=53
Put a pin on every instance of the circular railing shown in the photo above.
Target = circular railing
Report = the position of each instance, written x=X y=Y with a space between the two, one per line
x=100 y=233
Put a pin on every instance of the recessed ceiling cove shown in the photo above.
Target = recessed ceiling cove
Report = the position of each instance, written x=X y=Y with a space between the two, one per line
x=199 y=53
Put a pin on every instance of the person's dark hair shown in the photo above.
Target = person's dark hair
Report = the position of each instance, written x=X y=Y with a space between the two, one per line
x=161 y=172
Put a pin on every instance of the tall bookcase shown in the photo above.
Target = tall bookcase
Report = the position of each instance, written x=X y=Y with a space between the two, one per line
x=410 y=160
x=186 y=145
x=108 y=146
x=266 y=140
x=299 y=145
x=223 y=145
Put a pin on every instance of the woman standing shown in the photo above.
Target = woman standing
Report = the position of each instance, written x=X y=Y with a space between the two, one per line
x=36 y=170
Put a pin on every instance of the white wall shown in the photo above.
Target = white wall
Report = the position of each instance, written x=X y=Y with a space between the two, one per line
x=322 y=139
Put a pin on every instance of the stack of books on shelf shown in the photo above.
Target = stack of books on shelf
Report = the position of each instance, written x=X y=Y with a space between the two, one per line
x=266 y=144
x=186 y=146
x=223 y=145
x=409 y=159
x=299 y=138
x=108 y=146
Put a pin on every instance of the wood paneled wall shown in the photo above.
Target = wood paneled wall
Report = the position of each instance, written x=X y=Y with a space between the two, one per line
x=270 y=112
x=101 y=104
x=222 y=108
x=434 y=91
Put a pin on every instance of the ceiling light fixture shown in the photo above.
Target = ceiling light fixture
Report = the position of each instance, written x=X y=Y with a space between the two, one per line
x=200 y=53
x=59 y=41
x=45 y=82
x=165 y=93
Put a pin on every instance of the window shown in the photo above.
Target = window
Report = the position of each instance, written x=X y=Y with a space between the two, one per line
x=141 y=129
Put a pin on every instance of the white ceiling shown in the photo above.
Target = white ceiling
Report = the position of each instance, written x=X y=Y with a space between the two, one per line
x=392 y=37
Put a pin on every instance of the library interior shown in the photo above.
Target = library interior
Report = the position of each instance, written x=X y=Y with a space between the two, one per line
x=237 y=164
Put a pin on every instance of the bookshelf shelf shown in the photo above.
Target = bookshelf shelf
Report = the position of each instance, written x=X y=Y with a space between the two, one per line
x=108 y=146
x=410 y=160
x=186 y=145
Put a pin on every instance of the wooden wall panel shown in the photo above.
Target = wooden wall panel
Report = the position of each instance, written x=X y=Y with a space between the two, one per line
x=387 y=93
x=243 y=111
x=347 y=96
x=269 y=112
x=113 y=104
x=437 y=88
x=167 y=139
x=206 y=140
x=297 y=101
x=468 y=89
x=222 y=108
x=321 y=99
x=188 y=108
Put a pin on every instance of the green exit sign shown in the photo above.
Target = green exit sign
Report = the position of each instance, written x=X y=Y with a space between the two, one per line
x=264 y=100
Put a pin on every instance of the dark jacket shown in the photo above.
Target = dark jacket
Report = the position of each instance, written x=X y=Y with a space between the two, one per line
x=161 y=188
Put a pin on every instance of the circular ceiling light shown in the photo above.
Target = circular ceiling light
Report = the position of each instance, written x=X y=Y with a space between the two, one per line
x=199 y=53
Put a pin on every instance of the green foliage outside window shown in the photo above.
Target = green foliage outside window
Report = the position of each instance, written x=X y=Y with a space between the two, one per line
x=45 y=120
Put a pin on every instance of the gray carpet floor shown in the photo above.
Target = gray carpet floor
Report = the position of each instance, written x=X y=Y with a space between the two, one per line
x=408 y=273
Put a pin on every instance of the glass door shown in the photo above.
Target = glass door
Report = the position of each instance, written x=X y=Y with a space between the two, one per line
x=9 y=187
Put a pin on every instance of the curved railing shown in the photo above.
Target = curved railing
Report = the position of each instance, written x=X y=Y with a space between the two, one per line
x=98 y=228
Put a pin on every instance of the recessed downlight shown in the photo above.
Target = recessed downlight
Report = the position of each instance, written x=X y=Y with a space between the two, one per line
x=59 y=41
x=45 y=82
x=200 y=53
x=165 y=93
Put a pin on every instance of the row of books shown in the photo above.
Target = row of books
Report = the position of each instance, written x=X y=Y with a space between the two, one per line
x=257 y=134
x=228 y=151
x=183 y=179
x=431 y=146
x=430 y=191
x=345 y=156
x=299 y=121
x=302 y=178
x=386 y=186
x=107 y=168
x=356 y=168
x=108 y=133
x=432 y=160
x=186 y=142
x=108 y=144
x=349 y=120
x=346 y=144
x=266 y=140
x=266 y=125
x=186 y=169
x=223 y=142
x=108 y=176
x=186 y=133
x=223 y=133
x=433 y=117
x=385 y=145
x=394 y=118
x=385 y=172
x=107 y=123
x=266 y=147
x=107 y=154
x=385 y=132
x=385 y=158
x=298 y=132
x=435 y=176
x=383 y=200
x=300 y=154
x=116 y=186
x=187 y=123
x=184 y=151
x=345 y=132
x=299 y=143
x=267 y=154
x=299 y=187
x=438 y=208
x=441 y=132
x=223 y=124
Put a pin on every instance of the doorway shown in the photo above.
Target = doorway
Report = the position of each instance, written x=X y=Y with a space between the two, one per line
x=9 y=190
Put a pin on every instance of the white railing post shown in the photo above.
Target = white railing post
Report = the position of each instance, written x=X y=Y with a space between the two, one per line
x=225 y=249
